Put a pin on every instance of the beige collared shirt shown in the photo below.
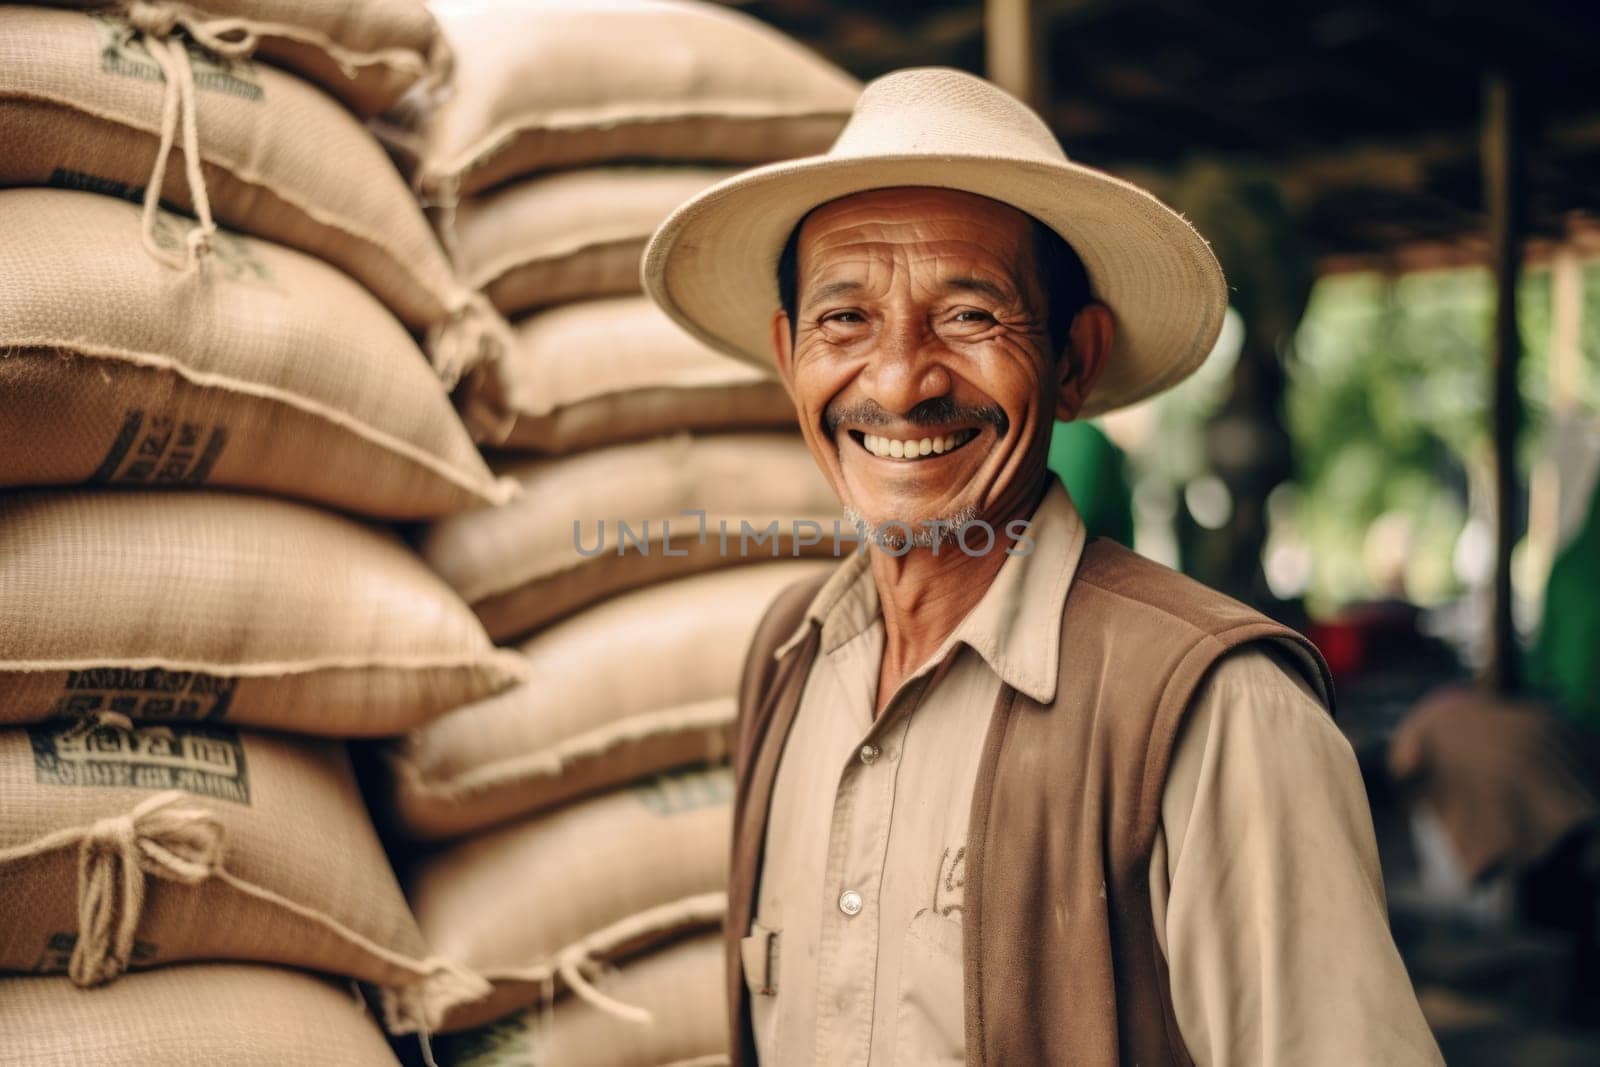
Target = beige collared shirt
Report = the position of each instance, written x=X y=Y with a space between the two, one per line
x=1266 y=892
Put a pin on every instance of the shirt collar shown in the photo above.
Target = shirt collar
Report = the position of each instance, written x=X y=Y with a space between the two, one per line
x=1015 y=627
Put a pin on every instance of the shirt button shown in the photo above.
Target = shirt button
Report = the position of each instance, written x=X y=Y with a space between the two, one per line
x=850 y=902
x=870 y=753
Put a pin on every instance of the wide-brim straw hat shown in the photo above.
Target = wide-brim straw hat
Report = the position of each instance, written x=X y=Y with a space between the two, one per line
x=712 y=265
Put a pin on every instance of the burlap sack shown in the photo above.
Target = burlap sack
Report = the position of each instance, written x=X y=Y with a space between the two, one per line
x=680 y=986
x=641 y=683
x=568 y=236
x=533 y=903
x=209 y=606
x=559 y=546
x=604 y=371
x=199 y=1015
x=129 y=847
x=366 y=52
x=622 y=79
x=269 y=370
x=87 y=101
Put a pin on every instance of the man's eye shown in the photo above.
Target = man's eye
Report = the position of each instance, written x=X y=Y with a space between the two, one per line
x=973 y=315
x=847 y=318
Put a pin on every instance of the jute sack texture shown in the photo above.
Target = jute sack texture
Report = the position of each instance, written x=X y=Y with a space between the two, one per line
x=559 y=546
x=127 y=846
x=198 y=1015
x=621 y=79
x=680 y=986
x=601 y=372
x=571 y=235
x=639 y=684
x=612 y=875
x=165 y=605
x=367 y=53
x=90 y=102
x=268 y=370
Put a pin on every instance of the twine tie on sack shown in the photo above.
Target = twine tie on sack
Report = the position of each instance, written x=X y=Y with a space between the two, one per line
x=157 y=25
x=185 y=845
x=570 y=967
x=178 y=844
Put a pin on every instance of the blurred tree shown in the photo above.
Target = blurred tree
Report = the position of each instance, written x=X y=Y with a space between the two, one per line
x=1247 y=445
x=1388 y=408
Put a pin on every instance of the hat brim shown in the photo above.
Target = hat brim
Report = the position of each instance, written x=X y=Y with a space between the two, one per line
x=712 y=265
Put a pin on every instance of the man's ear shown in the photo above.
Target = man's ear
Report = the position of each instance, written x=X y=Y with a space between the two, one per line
x=1078 y=368
x=783 y=349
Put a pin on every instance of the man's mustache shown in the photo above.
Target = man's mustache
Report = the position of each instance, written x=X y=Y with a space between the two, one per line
x=938 y=411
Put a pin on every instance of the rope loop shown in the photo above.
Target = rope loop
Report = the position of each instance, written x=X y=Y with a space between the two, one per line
x=571 y=967
x=157 y=24
x=159 y=838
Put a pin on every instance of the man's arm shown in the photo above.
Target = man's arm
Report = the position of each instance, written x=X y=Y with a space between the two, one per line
x=1266 y=889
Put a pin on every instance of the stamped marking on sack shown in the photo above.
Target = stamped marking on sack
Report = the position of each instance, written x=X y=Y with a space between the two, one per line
x=507 y=1043
x=232 y=256
x=150 y=693
x=682 y=791
x=58 y=948
x=123 y=53
x=205 y=760
x=161 y=451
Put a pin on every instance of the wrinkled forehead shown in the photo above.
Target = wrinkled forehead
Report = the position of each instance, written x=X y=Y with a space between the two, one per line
x=916 y=225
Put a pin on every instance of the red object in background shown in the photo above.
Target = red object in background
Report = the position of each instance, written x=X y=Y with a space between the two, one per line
x=1365 y=637
x=1342 y=646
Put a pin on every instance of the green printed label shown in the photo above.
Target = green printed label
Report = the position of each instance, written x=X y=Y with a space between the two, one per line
x=207 y=761
x=682 y=791
x=145 y=693
x=231 y=254
x=159 y=451
x=124 y=54
x=57 y=954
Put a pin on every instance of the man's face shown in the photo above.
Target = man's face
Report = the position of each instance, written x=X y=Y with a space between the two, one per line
x=921 y=365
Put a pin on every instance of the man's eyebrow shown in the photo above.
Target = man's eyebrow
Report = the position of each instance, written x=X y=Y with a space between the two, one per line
x=831 y=290
x=966 y=284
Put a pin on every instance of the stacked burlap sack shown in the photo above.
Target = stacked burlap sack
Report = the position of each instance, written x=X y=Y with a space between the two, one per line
x=570 y=132
x=212 y=396
x=573 y=831
x=157 y=102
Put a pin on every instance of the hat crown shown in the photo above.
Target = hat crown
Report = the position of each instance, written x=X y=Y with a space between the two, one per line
x=937 y=111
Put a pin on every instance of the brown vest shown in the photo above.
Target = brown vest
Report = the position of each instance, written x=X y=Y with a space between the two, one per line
x=1061 y=962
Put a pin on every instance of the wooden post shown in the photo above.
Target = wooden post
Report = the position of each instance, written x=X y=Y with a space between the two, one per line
x=1566 y=329
x=1502 y=191
x=1014 y=49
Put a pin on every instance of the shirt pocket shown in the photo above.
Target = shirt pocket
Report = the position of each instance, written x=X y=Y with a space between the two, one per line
x=930 y=1020
x=758 y=957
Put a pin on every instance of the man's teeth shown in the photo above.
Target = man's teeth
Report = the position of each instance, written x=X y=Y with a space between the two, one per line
x=916 y=448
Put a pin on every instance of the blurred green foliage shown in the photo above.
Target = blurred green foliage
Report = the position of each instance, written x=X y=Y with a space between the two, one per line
x=1388 y=408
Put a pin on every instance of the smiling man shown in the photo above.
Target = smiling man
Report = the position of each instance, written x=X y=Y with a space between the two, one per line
x=1004 y=796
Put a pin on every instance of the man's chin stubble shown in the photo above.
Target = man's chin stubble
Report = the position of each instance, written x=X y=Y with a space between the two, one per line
x=926 y=532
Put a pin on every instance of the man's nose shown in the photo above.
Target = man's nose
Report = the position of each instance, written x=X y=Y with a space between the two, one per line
x=905 y=367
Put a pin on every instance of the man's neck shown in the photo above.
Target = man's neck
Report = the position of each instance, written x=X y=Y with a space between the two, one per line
x=925 y=596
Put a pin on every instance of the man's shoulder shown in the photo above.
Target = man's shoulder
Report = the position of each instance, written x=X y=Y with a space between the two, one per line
x=1143 y=609
x=1123 y=582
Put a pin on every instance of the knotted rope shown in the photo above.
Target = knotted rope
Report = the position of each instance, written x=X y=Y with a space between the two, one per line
x=184 y=844
x=157 y=25
x=177 y=844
